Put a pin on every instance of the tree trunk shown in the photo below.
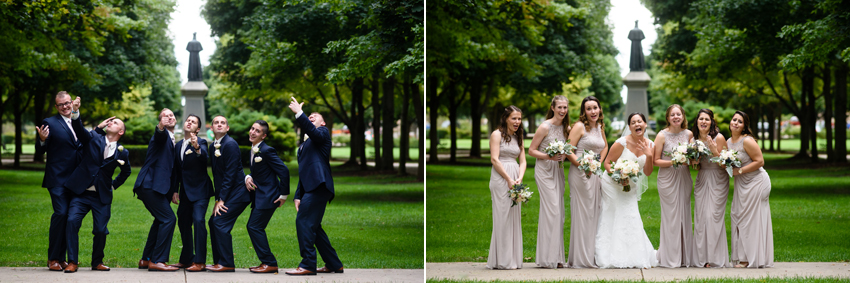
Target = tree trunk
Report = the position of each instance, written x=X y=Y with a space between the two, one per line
x=360 y=121
x=356 y=132
x=389 y=123
x=475 y=115
x=420 y=128
x=453 y=104
x=827 y=115
x=18 y=129
x=433 y=113
x=404 y=134
x=810 y=77
x=803 y=117
x=771 y=127
x=40 y=98
x=376 y=120
x=841 y=112
x=778 y=114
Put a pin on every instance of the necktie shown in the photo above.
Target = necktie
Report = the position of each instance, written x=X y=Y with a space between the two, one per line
x=68 y=122
x=109 y=149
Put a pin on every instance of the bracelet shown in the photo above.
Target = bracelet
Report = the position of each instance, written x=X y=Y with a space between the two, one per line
x=75 y=112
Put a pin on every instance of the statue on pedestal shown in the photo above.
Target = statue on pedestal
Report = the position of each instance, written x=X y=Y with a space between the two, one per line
x=195 y=73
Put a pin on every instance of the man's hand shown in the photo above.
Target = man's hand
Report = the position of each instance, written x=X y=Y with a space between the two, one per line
x=249 y=184
x=75 y=106
x=193 y=140
x=295 y=106
x=105 y=123
x=280 y=201
x=43 y=132
x=175 y=198
x=219 y=208
x=297 y=203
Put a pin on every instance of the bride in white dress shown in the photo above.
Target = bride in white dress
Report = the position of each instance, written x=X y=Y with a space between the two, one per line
x=621 y=241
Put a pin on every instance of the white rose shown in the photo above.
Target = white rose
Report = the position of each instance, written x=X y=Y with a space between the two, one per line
x=120 y=161
x=188 y=151
x=217 y=153
x=682 y=148
x=257 y=159
x=701 y=148
x=217 y=145
x=255 y=149
x=593 y=166
x=121 y=148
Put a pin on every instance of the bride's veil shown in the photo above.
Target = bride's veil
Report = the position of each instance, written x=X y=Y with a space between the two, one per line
x=643 y=182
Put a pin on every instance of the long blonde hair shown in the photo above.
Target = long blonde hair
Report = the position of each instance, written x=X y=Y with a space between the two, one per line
x=551 y=113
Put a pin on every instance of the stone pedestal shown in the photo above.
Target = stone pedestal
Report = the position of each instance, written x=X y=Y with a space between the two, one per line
x=194 y=92
x=637 y=82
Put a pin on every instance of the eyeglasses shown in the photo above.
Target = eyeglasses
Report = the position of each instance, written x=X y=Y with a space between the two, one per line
x=63 y=104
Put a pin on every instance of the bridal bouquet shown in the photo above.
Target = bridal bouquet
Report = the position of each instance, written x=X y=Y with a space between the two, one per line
x=559 y=147
x=728 y=158
x=520 y=194
x=589 y=163
x=679 y=155
x=698 y=150
x=625 y=169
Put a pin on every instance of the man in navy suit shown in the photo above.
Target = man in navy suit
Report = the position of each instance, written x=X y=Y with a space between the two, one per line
x=195 y=190
x=315 y=191
x=92 y=185
x=231 y=196
x=269 y=186
x=153 y=187
x=63 y=155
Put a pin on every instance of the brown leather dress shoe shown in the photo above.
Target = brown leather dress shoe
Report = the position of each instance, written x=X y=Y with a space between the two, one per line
x=196 y=267
x=100 y=267
x=180 y=265
x=263 y=268
x=143 y=264
x=160 y=266
x=300 y=271
x=72 y=267
x=53 y=265
x=63 y=264
x=220 y=268
x=255 y=267
x=328 y=270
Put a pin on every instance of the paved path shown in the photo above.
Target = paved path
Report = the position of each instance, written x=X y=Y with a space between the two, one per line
x=41 y=274
x=478 y=271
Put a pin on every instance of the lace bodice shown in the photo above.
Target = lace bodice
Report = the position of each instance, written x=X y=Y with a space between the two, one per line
x=672 y=140
x=742 y=154
x=508 y=150
x=591 y=140
x=556 y=132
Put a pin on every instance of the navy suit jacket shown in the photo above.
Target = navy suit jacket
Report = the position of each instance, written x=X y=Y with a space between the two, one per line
x=314 y=155
x=159 y=164
x=228 y=175
x=94 y=170
x=63 y=152
x=190 y=171
x=271 y=177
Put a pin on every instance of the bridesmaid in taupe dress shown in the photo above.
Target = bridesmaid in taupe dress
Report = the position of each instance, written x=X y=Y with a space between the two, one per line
x=676 y=247
x=752 y=228
x=587 y=134
x=710 y=194
x=506 y=145
x=550 y=185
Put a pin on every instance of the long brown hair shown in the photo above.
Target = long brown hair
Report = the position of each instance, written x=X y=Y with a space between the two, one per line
x=503 y=126
x=684 y=124
x=712 y=129
x=551 y=113
x=583 y=117
x=746 y=127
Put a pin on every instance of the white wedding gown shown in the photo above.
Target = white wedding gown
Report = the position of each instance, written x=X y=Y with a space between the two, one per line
x=621 y=241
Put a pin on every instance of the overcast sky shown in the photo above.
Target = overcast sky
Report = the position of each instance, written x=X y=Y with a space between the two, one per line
x=187 y=19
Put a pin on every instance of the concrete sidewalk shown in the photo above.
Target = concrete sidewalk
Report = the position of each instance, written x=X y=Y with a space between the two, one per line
x=479 y=271
x=41 y=274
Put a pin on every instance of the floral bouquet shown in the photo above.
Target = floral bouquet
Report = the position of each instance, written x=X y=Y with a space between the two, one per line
x=698 y=150
x=728 y=158
x=589 y=163
x=625 y=169
x=679 y=155
x=520 y=194
x=559 y=147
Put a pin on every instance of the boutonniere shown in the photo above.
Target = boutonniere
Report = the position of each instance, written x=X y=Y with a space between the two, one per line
x=217 y=145
x=255 y=149
x=121 y=148
x=258 y=159
x=217 y=152
x=188 y=151
x=306 y=137
x=120 y=161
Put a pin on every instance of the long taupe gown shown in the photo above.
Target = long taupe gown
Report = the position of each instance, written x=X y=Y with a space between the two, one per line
x=676 y=247
x=506 y=241
x=550 y=184
x=584 y=204
x=710 y=194
x=752 y=229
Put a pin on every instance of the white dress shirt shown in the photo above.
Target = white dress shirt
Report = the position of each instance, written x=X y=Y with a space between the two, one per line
x=107 y=152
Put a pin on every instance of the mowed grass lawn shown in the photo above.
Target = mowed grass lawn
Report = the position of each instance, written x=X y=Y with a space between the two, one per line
x=690 y=280
x=375 y=221
x=810 y=209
